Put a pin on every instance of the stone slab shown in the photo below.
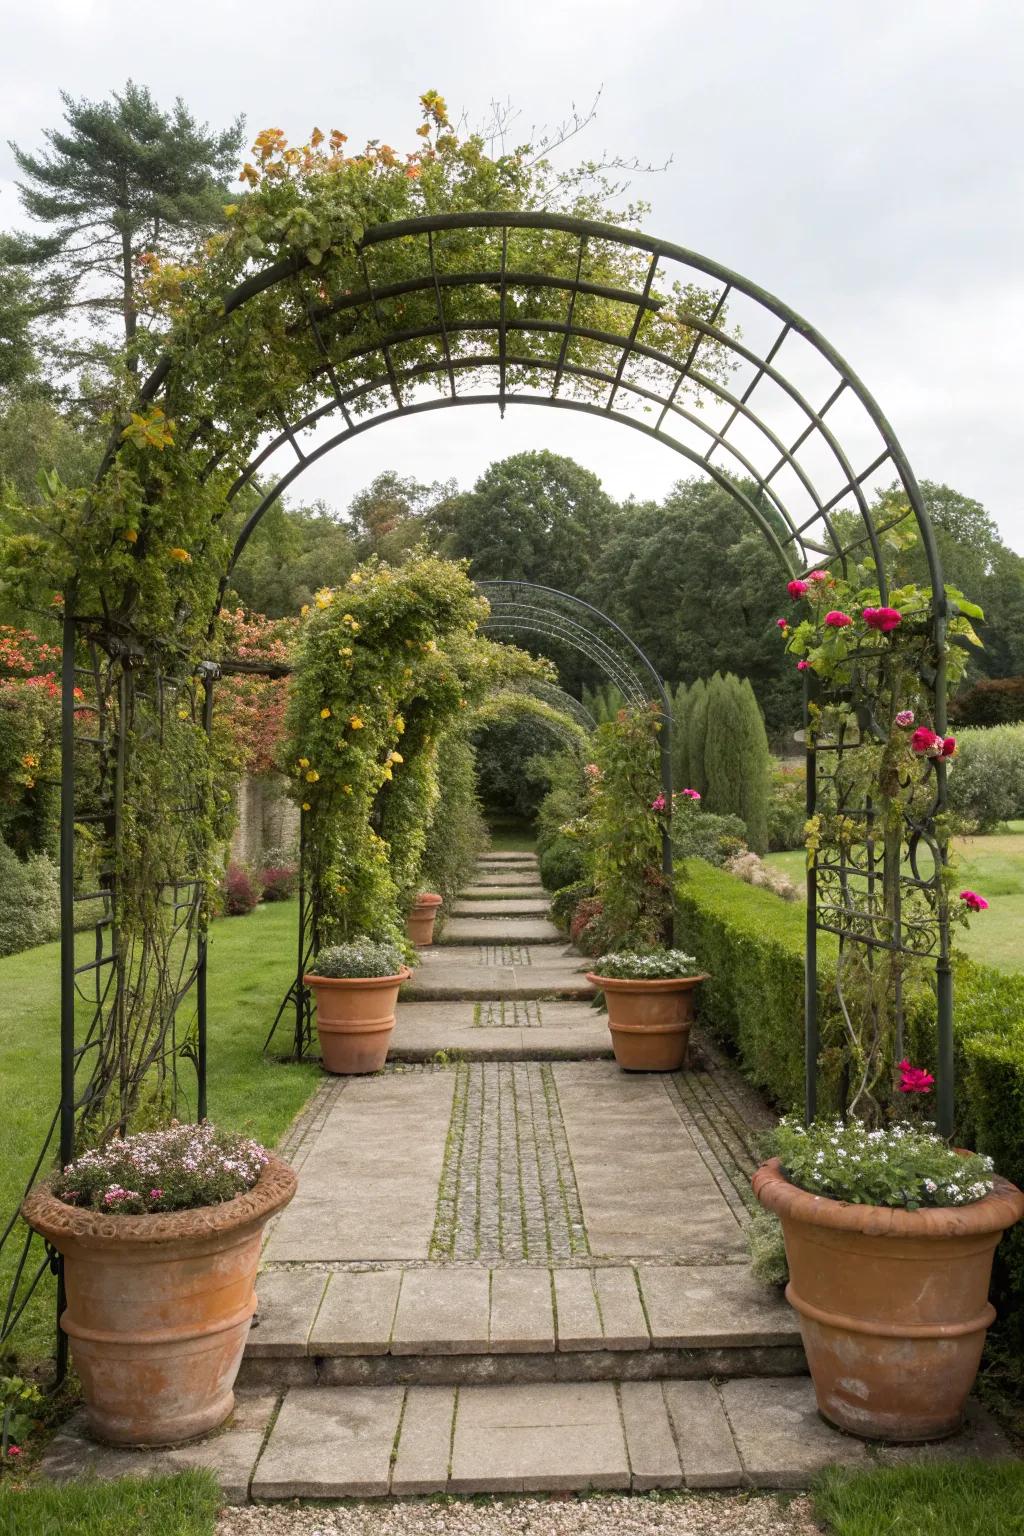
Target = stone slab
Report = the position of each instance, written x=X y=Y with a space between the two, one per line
x=579 y=1321
x=288 y=1304
x=781 y=1441
x=442 y=1311
x=498 y=878
x=513 y=856
x=519 y=890
x=644 y=1187
x=707 y=1450
x=501 y=930
x=369 y=1183
x=454 y=973
x=424 y=1444
x=230 y=1453
x=651 y=1445
x=703 y=1306
x=330 y=1443
x=566 y=1030
x=357 y=1314
x=622 y=1316
x=536 y=1439
x=522 y=1316
x=503 y=906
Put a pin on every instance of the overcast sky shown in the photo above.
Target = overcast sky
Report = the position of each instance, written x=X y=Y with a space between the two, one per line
x=861 y=160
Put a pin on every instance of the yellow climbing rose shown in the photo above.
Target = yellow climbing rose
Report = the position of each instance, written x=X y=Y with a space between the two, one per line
x=325 y=714
x=355 y=723
x=312 y=776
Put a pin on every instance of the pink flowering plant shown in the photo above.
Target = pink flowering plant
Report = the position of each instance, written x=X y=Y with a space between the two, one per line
x=177 y=1169
x=871 y=660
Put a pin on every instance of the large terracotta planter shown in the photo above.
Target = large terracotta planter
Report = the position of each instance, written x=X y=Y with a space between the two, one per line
x=159 y=1307
x=649 y=1020
x=893 y=1304
x=419 y=925
x=354 y=1019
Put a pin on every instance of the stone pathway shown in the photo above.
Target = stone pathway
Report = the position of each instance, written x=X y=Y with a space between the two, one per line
x=512 y=1268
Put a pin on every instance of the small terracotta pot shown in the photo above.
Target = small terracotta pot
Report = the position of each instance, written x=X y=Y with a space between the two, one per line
x=893 y=1304
x=354 y=1019
x=419 y=925
x=649 y=1020
x=159 y=1307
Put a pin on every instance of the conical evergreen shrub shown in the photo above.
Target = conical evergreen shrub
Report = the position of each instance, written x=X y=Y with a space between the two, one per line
x=696 y=729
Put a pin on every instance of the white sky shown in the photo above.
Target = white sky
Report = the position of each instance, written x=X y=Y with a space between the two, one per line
x=862 y=161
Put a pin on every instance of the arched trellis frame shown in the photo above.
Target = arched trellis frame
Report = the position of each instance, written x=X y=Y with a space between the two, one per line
x=494 y=308
x=527 y=607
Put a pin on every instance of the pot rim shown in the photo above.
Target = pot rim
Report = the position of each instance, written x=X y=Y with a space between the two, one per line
x=427 y=899
x=646 y=983
x=993 y=1213
x=57 y=1221
x=311 y=979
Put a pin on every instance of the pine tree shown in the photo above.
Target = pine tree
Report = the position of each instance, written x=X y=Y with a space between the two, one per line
x=696 y=730
x=757 y=765
x=680 y=745
x=120 y=180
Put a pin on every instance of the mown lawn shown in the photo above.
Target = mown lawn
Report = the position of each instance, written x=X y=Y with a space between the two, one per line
x=992 y=866
x=251 y=960
x=972 y=1498
x=182 y=1505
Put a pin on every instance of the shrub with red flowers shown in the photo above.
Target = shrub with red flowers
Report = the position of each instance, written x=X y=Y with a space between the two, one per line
x=279 y=881
x=239 y=891
x=872 y=661
x=29 y=739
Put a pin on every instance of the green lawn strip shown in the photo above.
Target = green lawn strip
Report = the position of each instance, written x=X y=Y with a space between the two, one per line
x=967 y=1498
x=184 y=1504
x=251 y=960
x=992 y=866
x=511 y=840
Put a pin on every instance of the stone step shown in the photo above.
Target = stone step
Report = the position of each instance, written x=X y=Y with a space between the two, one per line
x=502 y=906
x=493 y=971
x=522 y=857
x=505 y=1029
x=517 y=892
x=452 y=1324
x=371 y=1442
x=501 y=930
x=497 y=880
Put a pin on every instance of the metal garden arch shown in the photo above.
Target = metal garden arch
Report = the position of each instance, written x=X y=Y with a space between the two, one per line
x=494 y=308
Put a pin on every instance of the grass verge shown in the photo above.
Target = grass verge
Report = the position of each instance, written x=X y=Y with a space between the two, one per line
x=185 y=1504
x=968 y=1498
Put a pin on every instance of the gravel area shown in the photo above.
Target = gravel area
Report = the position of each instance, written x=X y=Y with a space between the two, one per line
x=640 y=1515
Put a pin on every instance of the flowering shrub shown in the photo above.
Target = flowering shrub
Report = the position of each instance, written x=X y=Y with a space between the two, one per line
x=657 y=965
x=900 y=1166
x=178 y=1169
x=362 y=957
x=279 y=881
x=239 y=890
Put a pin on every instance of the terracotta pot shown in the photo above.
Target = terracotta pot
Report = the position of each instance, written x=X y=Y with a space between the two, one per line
x=419 y=925
x=893 y=1304
x=354 y=1019
x=159 y=1307
x=649 y=1020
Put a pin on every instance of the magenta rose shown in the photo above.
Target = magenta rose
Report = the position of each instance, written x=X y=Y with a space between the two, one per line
x=692 y=794
x=836 y=619
x=974 y=901
x=924 y=740
x=883 y=619
x=948 y=746
x=802 y=666
x=783 y=624
x=658 y=804
x=797 y=588
x=818 y=576
x=914 y=1079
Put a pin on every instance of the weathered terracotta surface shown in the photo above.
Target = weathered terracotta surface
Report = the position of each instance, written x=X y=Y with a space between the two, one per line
x=649 y=1020
x=419 y=924
x=354 y=1019
x=159 y=1307
x=893 y=1304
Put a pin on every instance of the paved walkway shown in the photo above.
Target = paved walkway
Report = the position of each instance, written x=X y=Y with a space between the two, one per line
x=511 y=1267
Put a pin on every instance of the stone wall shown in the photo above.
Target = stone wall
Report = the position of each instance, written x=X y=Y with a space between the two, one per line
x=266 y=819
